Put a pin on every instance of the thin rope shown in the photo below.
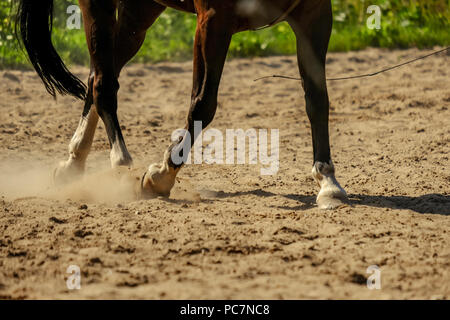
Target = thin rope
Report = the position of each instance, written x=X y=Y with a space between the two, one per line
x=280 y=18
x=362 y=75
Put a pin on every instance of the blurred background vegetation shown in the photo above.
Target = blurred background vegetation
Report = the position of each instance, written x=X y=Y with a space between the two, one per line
x=404 y=23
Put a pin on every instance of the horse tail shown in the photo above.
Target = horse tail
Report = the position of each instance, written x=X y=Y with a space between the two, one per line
x=34 y=23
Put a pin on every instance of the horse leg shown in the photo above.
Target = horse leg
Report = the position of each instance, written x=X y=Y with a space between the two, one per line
x=312 y=23
x=113 y=43
x=211 y=45
x=97 y=36
x=134 y=20
x=100 y=26
x=81 y=142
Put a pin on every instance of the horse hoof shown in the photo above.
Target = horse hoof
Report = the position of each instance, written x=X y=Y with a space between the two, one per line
x=158 y=181
x=65 y=173
x=331 y=197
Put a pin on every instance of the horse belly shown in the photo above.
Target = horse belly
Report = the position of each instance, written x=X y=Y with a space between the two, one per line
x=183 y=5
x=258 y=13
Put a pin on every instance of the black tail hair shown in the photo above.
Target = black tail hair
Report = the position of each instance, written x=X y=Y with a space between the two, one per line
x=34 y=24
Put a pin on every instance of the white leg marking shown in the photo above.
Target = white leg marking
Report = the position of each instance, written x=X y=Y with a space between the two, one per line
x=81 y=142
x=79 y=148
x=331 y=194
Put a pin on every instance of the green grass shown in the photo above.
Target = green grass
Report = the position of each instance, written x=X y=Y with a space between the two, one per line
x=404 y=23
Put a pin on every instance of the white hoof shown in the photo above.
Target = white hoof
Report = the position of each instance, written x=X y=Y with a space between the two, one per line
x=331 y=195
x=66 y=172
x=159 y=179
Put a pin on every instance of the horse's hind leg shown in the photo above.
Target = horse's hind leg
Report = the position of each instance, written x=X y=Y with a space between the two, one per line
x=210 y=49
x=100 y=25
x=134 y=19
x=111 y=44
x=312 y=25
x=81 y=142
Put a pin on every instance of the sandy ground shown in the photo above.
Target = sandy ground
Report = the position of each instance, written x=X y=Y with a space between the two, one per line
x=227 y=232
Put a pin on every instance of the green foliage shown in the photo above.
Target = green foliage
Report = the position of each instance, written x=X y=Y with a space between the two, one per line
x=404 y=23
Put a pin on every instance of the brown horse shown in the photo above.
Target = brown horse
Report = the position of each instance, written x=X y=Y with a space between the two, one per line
x=115 y=30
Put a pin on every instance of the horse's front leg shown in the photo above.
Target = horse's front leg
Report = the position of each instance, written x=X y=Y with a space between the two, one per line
x=312 y=27
x=210 y=49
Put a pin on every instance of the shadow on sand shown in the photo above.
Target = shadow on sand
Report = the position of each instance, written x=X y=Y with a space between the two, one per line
x=425 y=204
x=428 y=203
